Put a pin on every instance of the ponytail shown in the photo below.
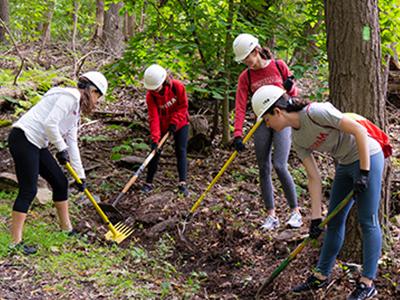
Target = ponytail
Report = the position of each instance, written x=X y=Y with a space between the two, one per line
x=265 y=52
x=86 y=103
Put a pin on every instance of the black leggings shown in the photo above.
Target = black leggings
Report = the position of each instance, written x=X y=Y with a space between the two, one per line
x=30 y=161
x=181 y=140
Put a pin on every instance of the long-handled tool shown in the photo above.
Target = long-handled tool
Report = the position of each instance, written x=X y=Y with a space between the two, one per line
x=110 y=208
x=300 y=247
x=117 y=233
x=225 y=166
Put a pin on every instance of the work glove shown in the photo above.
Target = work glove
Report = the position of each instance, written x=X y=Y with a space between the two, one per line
x=153 y=146
x=238 y=144
x=314 y=232
x=80 y=186
x=288 y=83
x=172 y=128
x=361 y=184
x=62 y=157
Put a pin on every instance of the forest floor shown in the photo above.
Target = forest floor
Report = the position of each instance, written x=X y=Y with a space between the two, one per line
x=224 y=254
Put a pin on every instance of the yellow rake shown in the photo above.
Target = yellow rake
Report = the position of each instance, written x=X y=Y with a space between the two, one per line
x=117 y=233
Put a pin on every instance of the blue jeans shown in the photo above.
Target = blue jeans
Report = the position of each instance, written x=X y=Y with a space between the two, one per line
x=367 y=209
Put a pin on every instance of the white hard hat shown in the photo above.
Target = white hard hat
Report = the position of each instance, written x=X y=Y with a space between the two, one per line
x=154 y=77
x=98 y=80
x=243 y=45
x=264 y=98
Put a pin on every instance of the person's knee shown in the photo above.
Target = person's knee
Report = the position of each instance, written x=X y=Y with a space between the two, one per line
x=60 y=189
x=280 y=168
x=369 y=223
x=24 y=199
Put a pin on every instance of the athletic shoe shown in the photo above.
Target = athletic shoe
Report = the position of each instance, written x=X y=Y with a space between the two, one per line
x=295 y=220
x=312 y=283
x=270 y=223
x=362 y=292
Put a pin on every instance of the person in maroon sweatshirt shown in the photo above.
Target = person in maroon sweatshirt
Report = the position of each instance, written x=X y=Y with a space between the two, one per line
x=167 y=105
x=261 y=70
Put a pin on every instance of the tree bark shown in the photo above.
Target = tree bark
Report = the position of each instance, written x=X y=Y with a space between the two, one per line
x=113 y=28
x=5 y=17
x=98 y=32
x=356 y=80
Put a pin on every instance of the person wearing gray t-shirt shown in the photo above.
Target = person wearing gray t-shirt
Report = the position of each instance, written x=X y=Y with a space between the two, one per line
x=360 y=161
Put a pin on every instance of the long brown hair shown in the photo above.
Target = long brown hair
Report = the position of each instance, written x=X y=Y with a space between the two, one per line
x=265 y=52
x=86 y=87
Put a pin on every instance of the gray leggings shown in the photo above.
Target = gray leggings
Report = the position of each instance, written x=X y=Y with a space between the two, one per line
x=264 y=137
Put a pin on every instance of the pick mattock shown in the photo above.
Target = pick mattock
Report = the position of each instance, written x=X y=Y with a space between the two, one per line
x=117 y=233
x=225 y=166
x=300 y=247
x=110 y=208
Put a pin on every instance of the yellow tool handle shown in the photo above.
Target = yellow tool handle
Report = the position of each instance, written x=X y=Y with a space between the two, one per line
x=89 y=195
x=228 y=162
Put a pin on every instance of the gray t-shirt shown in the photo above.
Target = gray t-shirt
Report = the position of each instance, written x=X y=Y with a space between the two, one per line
x=312 y=135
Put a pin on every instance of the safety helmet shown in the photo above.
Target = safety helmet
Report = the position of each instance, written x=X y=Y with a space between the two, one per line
x=264 y=98
x=243 y=45
x=154 y=77
x=98 y=80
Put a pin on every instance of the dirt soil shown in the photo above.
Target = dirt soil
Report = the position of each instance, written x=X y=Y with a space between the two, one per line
x=223 y=238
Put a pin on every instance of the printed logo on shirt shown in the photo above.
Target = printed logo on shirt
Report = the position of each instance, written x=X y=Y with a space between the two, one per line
x=321 y=138
x=266 y=81
x=168 y=104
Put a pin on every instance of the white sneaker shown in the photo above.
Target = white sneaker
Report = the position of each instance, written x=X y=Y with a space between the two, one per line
x=270 y=223
x=295 y=220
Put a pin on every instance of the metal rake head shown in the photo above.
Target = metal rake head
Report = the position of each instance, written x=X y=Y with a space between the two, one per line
x=122 y=231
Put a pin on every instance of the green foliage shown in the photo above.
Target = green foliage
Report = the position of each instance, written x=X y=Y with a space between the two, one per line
x=96 y=138
x=27 y=18
x=389 y=19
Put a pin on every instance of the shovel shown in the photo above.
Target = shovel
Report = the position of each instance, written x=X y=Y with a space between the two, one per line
x=110 y=208
x=300 y=247
x=225 y=166
x=117 y=233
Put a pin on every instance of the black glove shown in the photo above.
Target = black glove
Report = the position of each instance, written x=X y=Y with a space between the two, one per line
x=62 y=157
x=238 y=144
x=80 y=186
x=361 y=184
x=172 y=128
x=314 y=231
x=288 y=83
x=153 y=146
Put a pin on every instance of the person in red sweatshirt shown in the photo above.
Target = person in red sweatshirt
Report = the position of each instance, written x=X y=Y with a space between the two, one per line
x=261 y=70
x=167 y=105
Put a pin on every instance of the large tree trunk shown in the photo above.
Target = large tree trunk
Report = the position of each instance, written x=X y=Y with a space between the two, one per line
x=5 y=17
x=356 y=79
x=113 y=28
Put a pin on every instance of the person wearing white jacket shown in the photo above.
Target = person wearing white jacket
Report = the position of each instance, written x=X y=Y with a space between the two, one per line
x=54 y=119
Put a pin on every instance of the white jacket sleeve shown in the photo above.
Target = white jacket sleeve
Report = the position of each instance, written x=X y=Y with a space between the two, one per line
x=63 y=106
x=73 y=151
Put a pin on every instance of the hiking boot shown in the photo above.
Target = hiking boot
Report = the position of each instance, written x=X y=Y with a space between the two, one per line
x=22 y=247
x=182 y=189
x=270 y=223
x=295 y=220
x=147 y=188
x=312 y=283
x=362 y=292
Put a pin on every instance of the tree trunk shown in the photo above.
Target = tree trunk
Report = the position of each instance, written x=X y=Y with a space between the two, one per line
x=113 y=28
x=75 y=23
x=356 y=79
x=98 y=32
x=227 y=63
x=129 y=26
x=46 y=33
x=5 y=17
